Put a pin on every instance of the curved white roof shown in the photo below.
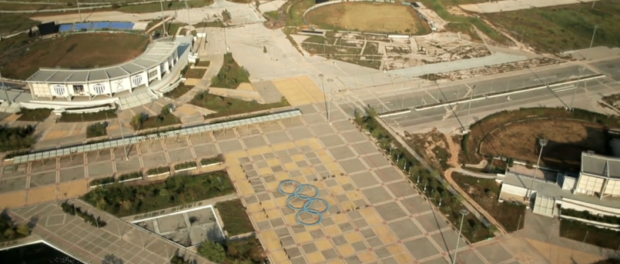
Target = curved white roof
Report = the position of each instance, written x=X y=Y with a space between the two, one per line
x=155 y=54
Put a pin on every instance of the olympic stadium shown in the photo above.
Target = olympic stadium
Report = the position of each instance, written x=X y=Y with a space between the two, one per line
x=140 y=80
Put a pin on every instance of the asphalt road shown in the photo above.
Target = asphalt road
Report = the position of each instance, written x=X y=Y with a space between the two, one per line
x=586 y=93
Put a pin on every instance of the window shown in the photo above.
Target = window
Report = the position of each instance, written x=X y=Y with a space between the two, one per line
x=153 y=74
x=99 y=88
x=78 y=89
x=60 y=90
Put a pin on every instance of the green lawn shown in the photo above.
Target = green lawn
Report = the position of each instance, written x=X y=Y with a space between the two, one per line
x=10 y=23
x=234 y=217
x=225 y=106
x=123 y=200
x=230 y=75
x=561 y=28
x=36 y=115
x=88 y=117
x=179 y=91
x=195 y=73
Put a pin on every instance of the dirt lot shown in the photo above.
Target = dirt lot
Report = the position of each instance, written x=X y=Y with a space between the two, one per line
x=368 y=17
x=75 y=51
x=566 y=140
x=485 y=192
x=433 y=146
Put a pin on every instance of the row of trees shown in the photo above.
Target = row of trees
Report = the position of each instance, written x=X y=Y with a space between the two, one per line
x=15 y=138
x=9 y=230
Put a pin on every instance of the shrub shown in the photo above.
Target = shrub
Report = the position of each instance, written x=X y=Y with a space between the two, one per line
x=159 y=170
x=592 y=217
x=129 y=176
x=207 y=161
x=15 y=138
x=185 y=165
x=96 y=130
x=11 y=231
x=91 y=219
x=102 y=181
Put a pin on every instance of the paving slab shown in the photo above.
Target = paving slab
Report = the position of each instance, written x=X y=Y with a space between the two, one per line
x=71 y=174
x=300 y=133
x=70 y=161
x=205 y=150
x=388 y=174
x=277 y=137
x=254 y=141
x=421 y=248
x=180 y=155
x=154 y=160
x=352 y=165
x=354 y=137
x=405 y=229
x=401 y=188
x=446 y=240
x=13 y=184
x=130 y=165
x=376 y=160
x=331 y=140
x=230 y=145
x=415 y=205
x=440 y=260
x=322 y=129
x=42 y=179
x=431 y=221
x=364 y=179
x=341 y=152
x=468 y=257
x=377 y=195
x=364 y=148
x=494 y=253
x=390 y=211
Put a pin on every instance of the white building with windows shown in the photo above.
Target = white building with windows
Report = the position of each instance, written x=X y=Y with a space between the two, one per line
x=157 y=61
x=138 y=81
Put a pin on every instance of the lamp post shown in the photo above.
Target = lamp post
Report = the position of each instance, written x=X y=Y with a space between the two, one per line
x=542 y=142
x=572 y=99
x=5 y=90
x=593 y=34
x=471 y=96
x=78 y=8
x=329 y=103
x=163 y=19
x=118 y=117
x=463 y=212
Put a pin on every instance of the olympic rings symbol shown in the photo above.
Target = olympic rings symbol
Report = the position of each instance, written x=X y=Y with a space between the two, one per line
x=310 y=200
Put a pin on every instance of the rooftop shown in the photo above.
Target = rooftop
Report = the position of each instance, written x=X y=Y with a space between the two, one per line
x=552 y=189
x=599 y=165
x=155 y=54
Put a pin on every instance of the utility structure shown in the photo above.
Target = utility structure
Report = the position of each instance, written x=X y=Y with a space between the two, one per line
x=572 y=99
x=464 y=213
x=6 y=94
x=471 y=96
x=542 y=142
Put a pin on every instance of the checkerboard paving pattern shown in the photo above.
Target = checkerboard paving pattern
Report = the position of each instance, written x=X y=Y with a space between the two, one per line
x=376 y=215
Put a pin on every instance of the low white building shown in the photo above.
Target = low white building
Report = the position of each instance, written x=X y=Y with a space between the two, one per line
x=595 y=189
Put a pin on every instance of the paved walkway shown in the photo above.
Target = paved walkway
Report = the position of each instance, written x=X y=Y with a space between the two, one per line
x=90 y=244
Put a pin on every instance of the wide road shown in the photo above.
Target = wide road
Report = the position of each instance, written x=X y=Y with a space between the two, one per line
x=587 y=93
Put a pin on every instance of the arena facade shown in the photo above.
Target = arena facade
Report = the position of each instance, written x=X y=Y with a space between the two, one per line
x=156 y=62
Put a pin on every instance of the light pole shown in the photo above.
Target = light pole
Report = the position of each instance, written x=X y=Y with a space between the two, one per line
x=163 y=19
x=463 y=212
x=471 y=96
x=593 y=34
x=542 y=142
x=118 y=117
x=78 y=8
x=572 y=99
x=329 y=103
x=5 y=90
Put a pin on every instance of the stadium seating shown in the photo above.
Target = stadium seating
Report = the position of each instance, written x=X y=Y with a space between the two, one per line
x=96 y=26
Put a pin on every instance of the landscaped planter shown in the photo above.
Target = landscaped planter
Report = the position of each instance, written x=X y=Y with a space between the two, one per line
x=128 y=180
x=158 y=175
x=212 y=164
x=186 y=169
x=100 y=185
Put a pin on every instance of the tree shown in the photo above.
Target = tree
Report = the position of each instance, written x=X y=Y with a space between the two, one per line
x=136 y=121
x=23 y=230
x=226 y=15
x=264 y=49
x=213 y=251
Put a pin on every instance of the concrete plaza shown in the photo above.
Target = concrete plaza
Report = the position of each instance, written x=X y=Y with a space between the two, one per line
x=376 y=215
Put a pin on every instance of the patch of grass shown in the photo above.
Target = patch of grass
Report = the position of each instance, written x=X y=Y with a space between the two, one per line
x=439 y=6
x=159 y=170
x=561 y=28
x=274 y=15
x=486 y=192
x=368 y=17
x=12 y=23
x=130 y=176
x=75 y=52
x=185 y=165
x=601 y=237
x=231 y=74
x=9 y=230
x=123 y=200
x=144 y=121
x=463 y=28
x=234 y=217
x=207 y=161
x=88 y=117
x=296 y=11
x=215 y=23
x=96 y=130
x=179 y=91
x=225 y=106
x=195 y=73
x=171 y=27
x=34 y=115
x=102 y=181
